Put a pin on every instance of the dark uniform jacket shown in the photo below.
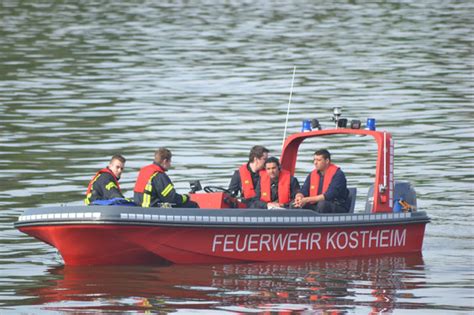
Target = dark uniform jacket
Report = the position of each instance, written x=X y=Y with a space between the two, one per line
x=103 y=188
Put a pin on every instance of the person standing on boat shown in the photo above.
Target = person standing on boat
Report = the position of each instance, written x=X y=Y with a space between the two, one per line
x=154 y=188
x=245 y=179
x=325 y=188
x=105 y=183
x=276 y=187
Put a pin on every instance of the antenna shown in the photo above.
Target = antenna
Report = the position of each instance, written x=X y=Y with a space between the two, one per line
x=288 y=110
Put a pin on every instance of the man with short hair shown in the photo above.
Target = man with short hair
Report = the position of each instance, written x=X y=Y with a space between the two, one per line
x=325 y=188
x=154 y=188
x=105 y=183
x=246 y=177
x=276 y=188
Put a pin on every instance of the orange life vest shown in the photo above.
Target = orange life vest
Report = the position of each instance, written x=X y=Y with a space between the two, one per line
x=248 y=190
x=144 y=176
x=284 y=187
x=104 y=170
x=328 y=175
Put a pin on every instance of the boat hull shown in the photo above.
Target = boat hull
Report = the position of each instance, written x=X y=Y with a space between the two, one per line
x=107 y=241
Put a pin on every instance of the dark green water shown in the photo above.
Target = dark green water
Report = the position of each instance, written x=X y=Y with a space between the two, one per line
x=82 y=80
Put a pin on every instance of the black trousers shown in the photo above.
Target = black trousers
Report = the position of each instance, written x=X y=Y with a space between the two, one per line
x=325 y=206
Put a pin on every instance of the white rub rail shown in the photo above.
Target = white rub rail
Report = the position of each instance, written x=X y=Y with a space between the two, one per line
x=94 y=216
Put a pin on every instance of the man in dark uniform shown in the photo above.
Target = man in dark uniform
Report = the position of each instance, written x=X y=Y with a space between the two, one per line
x=104 y=185
x=325 y=188
x=276 y=188
x=154 y=188
x=246 y=177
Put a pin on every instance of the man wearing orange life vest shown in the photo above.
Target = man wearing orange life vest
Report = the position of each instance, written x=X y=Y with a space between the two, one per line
x=104 y=185
x=276 y=188
x=325 y=188
x=154 y=188
x=246 y=177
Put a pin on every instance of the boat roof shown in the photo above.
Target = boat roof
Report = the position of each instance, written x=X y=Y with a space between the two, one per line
x=292 y=143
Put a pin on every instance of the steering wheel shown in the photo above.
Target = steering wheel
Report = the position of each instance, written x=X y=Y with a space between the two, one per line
x=211 y=189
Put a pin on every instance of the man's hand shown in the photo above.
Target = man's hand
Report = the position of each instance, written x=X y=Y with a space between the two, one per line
x=299 y=200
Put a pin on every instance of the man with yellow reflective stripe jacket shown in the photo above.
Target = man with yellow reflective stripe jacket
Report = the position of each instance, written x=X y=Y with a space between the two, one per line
x=154 y=188
x=104 y=185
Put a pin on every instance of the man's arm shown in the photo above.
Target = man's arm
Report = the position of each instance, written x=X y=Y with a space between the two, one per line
x=337 y=188
x=302 y=198
x=235 y=185
x=294 y=187
x=166 y=191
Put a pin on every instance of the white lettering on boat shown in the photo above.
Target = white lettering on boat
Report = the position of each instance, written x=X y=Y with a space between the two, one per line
x=268 y=242
x=366 y=239
x=308 y=241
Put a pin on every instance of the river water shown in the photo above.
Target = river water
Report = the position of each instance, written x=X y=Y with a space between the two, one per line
x=82 y=80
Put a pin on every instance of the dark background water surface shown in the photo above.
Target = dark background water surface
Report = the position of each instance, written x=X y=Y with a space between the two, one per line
x=82 y=80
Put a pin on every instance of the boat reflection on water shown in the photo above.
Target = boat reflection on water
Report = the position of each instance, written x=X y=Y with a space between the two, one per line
x=374 y=284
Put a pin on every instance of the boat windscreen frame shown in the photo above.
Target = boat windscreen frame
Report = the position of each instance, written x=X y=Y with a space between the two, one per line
x=384 y=181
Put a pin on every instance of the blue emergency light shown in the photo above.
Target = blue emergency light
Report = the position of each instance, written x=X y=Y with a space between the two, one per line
x=370 y=125
x=306 y=126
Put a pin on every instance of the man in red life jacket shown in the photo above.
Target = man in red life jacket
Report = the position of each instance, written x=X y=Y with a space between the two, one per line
x=325 y=188
x=246 y=177
x=276 y=188
x=154 y=188
x=105 y=183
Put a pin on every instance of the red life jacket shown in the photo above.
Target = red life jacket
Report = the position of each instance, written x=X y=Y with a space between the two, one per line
x=284 y=186
x=104 y=170
x=248 y=190
x=144 y=176
x=328 y=175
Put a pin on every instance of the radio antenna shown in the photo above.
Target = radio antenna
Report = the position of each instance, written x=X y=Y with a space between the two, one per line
x=289 y=104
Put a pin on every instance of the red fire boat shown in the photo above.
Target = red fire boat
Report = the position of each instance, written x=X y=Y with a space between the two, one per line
x=224 y=232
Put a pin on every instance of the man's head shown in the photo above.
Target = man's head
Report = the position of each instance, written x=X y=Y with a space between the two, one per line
x=257 y=157
x=272 y=166
x=117 y=164
x=163 y=157
x=322 y=159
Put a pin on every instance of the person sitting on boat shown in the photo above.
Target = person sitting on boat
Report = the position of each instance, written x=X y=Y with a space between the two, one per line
x=247 y=176
x=105 y=183
x=276 y=187
x=154 y=188
x=325 y=188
